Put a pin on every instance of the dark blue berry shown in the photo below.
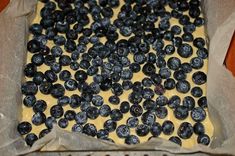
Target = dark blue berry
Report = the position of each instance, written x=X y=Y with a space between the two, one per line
x=181 y=112
x=203 y=139
x=56 y=111
x=116 y=115
x=185 y=130
x=123 y=131
x=176 y=140
x=168 y=127
x=30 y=139
x=132 y=140
x=89 y=129
x=202 y=102
x=189 y=102
x=39 y=106
x=63 y=123
x=92 y=112
x=81 y=118
x=29 y=88
x=24 y=127
x=38 y=118
x=77 y=128
x=142 y=130
x=198 y=114
x=156 y=129
x=183 y=86
x=110 y=125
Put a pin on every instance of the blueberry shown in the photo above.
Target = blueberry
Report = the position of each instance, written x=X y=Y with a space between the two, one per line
x=177 y=41
x=142 y=130
x=69 y=115
x=110 y=125
x=189 y=102
x=196 y=63
x=161 y=112
x=56 y=51
x=81 y=118
x=147 y=82
x=70 y=85
x=37 y=59
x=29 y=100
x=187 y=37
x=30 y=139
x=92 y=112
x=180 y=75
x=49 y=122
x=106 y=84
x=199 y=128
x=36 y=29
x=185 y=130
x=147 y=93
x=123 y=131
x=184 y=20
x=159 y=89
x=156 y=78
x=126 y=74
x=50 y=76
x=65 y=75
x=132 y=140
x=139 y=58
x=30 y=69
x=39 y=106
x=202 y=102
x=198 y=114
x=176 y=140
x=102 y=133
x=57 y=90
x=104 y=110
x=185 y=50
x=181 y=112
x=44 y=132
x=196 y=92
x=199 y=78
x=199 y=42
x=151 y=57
x=89 y=129
x=164 y=72
x=38 y=118
x=116 y=115
x=64 y=100
x=114 y=99
x=161 y=100
x=136 y=110
x=183 y=86
x=33 y=46
x=156 y=129
x=169 y=84
x=77 y=128
x=49 y=59
x=203 y=139
x=127 y=84
x=92 y=70
x=186 y=67
x=59 y=40
x=64 y=60
x=38 y=78
x=24 y=127
x=202 y=53
x=168 y=127
x=160 y=62
x=135 y=97
x=174 y=63
x=149 y=69
x=56 y=111
x=63 y=123
x=174 y=101
x=84 y=64
x=199 y=21
x=97 y=100
x=56 y=68
x=29 y=88
x=80 y=76
x=135 y=67
x=176 y=29
x=148 y=118
x=84 y=105
x=132 y=122
x=117 y=89
x=124 y=107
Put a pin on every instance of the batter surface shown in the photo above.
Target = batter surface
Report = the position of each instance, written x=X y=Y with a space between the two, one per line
x=188 y=143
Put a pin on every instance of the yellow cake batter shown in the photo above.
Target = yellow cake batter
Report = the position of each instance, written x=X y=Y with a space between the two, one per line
x=188 y=143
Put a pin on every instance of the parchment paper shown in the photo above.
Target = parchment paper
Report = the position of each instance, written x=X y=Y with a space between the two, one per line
x=14 y=21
